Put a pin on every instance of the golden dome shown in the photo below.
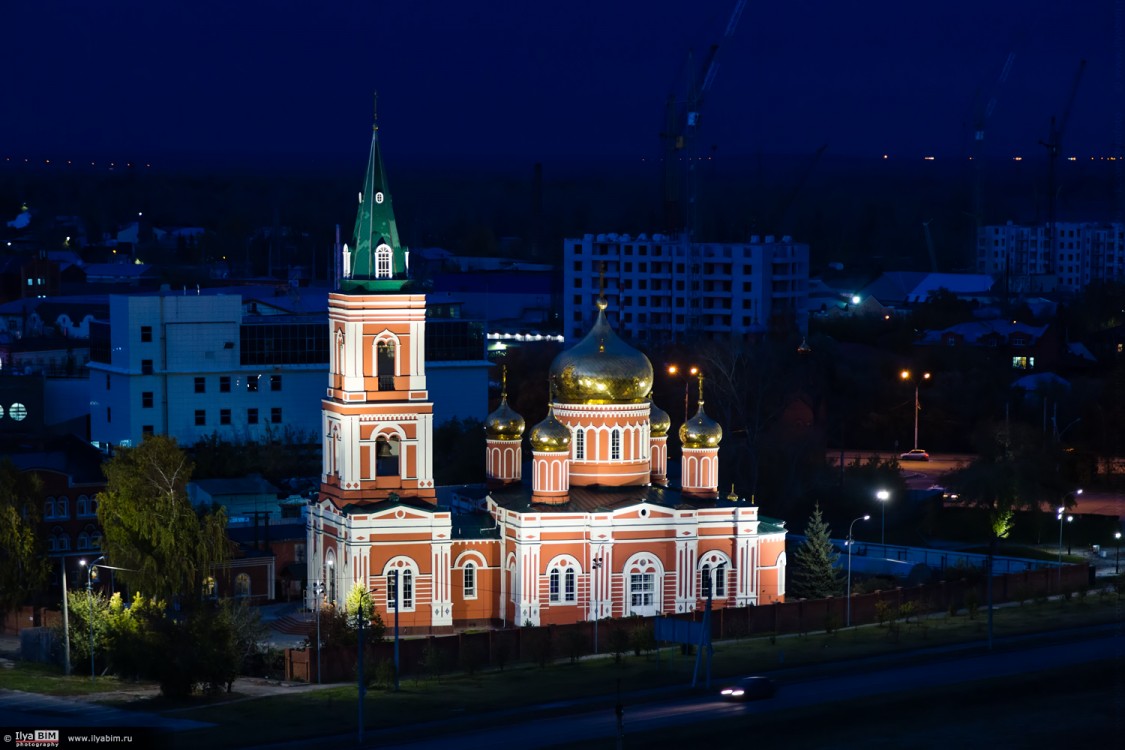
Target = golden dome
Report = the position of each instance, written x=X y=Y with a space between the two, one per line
x=658 y=420
x=700 y=431
x=601 y=369
x=504 y=423
x=550 y=435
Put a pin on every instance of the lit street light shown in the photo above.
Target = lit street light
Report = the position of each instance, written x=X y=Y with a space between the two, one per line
x=689 y=373
x=66 y=617
x=596 y=566
x=1117 y=557
x=883 y=496
x=1069 y=519
x=850 y=540
x=91 y=574
x=318 y=592
x=907 y=375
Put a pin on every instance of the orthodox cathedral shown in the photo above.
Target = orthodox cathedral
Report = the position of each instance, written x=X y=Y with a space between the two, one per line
x=594 y=532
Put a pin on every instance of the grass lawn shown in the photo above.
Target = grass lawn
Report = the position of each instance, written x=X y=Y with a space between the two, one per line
x=333 y=710
x=48 y=679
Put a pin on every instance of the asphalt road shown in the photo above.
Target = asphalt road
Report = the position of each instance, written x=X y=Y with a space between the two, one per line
x=860 y=683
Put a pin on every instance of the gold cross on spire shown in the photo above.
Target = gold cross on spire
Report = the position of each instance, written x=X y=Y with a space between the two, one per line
x=375 y=110
x=701 y=389
x=504 y=381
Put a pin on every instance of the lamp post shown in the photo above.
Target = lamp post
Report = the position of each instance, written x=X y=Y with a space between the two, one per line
x=318 y=592
x=908 y=375
x=883 y=496
x=849 y=597
x=1117 y=557
x=595 y=567
x=91 y=573
x=1062 y=516
x=689 y=373
x=66 y=620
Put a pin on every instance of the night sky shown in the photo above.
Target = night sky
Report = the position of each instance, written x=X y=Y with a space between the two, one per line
x=246 y=81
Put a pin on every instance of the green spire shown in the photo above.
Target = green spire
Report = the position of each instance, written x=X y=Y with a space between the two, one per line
x=368 y=265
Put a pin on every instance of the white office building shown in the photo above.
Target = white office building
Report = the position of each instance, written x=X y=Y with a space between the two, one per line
x=189 y=366
x=667 y=288
x=1084 y=252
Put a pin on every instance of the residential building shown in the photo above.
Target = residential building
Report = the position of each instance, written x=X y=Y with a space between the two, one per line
x=1083 y=252
x=663 y=288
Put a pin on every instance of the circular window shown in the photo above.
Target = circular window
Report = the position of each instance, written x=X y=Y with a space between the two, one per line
x=644 y=512
x=17 y=411
x=1 y=412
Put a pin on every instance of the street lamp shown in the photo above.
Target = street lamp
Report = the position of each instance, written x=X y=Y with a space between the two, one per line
x=689 y=373
x=883 y=496
x=596 y=566
x=850 y=527
x=91 y=574
x=66 y=620
x=1069 y=519
x=318 y=592
x=1117 y=557
x=907 y=375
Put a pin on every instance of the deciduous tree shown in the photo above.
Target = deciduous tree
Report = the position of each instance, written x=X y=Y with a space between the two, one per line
x=164 y=547
x=23 y=565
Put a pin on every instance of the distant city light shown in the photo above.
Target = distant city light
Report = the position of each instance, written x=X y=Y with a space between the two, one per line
x=1017 y=158
x=855 y=299
x=929 y=158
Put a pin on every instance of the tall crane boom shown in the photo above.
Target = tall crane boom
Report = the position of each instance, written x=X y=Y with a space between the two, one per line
x=1053 y=144
x=681 y=126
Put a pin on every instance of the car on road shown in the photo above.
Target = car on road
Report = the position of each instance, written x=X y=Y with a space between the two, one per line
x=750 y=689
x=914 y=455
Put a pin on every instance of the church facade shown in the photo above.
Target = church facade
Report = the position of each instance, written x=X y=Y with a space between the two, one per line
x=594 y=531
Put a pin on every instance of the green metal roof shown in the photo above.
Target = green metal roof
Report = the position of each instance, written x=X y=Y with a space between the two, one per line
x=375 y=227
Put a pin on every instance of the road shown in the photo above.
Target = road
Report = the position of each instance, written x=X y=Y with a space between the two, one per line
x=863 y=682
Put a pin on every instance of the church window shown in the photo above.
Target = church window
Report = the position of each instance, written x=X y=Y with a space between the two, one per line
x=579 y=445
x=383 y=262
x=400 y=597
x=615 y=445
x=713 y=582
x=387 y=456
x=407 y=589
x=470 y=581
x=642 y=590
x=562 y=584
x=61 y=509
x=385 y=365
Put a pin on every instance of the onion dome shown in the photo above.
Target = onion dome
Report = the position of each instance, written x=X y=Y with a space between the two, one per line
x=700 y=431
x=658 y=420
x=601 y=368
x=550 y=435
x=504 y=423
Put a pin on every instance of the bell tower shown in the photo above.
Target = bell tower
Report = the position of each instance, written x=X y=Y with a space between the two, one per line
x=377 y=414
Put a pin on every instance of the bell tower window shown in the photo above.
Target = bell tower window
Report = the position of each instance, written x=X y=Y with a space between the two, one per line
x=385 y=365
x=386 y=456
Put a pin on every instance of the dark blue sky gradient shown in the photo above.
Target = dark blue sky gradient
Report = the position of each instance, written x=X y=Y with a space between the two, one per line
x=249 y=81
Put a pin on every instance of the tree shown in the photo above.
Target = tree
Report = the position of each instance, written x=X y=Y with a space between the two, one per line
x=814 y=572
x=164 y=546
x=23 y=566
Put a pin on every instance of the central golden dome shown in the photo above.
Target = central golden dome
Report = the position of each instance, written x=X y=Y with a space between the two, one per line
x=601 y=369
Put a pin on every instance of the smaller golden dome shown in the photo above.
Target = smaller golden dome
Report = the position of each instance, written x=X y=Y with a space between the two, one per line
x=504 y=423
x=550 y=435
x=658 y=421
x=701 y=431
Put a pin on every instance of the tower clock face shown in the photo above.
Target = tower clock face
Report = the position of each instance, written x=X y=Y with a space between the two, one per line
x=378 y=197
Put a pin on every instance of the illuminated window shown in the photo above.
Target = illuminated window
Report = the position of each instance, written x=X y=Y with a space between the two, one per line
x=383 y=262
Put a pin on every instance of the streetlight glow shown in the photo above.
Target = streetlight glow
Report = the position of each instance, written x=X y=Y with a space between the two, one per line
x=883 y=496
x=908 y=375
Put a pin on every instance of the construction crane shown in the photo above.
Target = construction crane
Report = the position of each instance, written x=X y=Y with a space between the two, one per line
x=682 y=120
x=976 y=150
x=1053 y=144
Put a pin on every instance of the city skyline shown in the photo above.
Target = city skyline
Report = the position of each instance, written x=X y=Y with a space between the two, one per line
x=139 y=83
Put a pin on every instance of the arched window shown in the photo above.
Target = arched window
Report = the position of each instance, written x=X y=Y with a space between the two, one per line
x=713 y=568
x=61 y=509
x=386 y=456
x=579 y=444
x=62 y=543
x=470 y=581
x=400 y=585
x=562 y=579
x=644 y=576
x=83 y=507
x=94 y=506
x=242 y=586
x=385 y=365
x=83 y=540
x=383 y=262
x=615 y=444
x=49 y=508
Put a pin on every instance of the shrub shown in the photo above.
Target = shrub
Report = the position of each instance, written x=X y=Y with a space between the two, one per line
x=618 y=643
